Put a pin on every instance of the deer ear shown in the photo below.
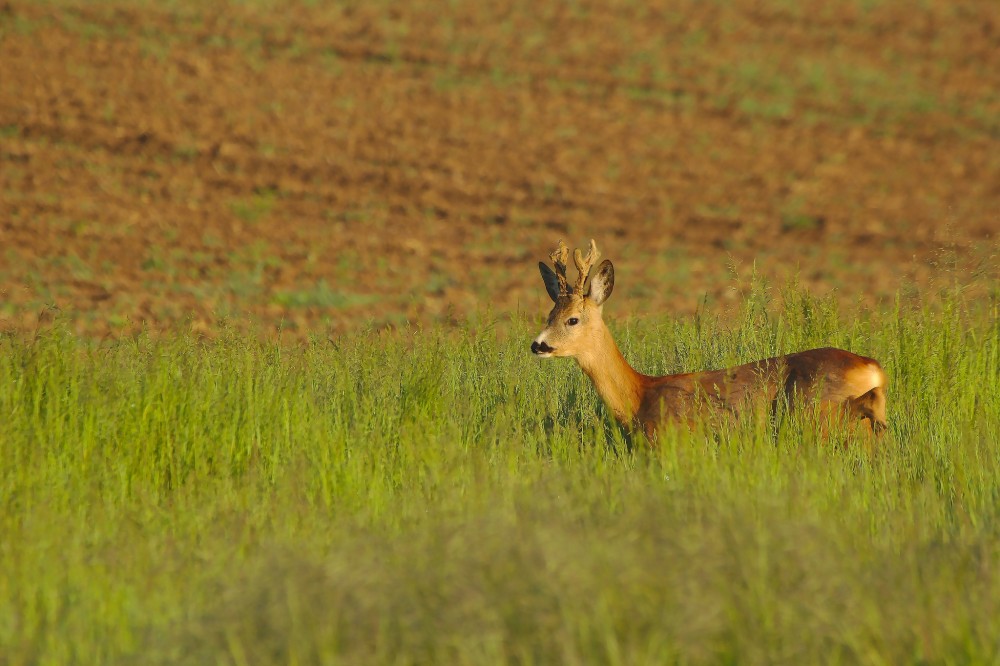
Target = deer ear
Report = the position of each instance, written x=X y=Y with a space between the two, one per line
x=602 y=283
x=551 y=281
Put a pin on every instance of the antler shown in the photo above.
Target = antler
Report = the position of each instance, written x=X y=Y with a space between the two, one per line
x=558 y=257
x=584 y=265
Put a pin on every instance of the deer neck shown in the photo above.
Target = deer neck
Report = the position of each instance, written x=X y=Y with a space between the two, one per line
x=616 y=382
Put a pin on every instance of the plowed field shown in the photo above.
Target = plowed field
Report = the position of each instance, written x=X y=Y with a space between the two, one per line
x=319 y=169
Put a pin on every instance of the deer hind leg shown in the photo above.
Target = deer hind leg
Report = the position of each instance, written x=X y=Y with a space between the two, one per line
x=870 y=406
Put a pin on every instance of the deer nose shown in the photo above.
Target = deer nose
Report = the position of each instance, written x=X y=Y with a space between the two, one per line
x=542 y=348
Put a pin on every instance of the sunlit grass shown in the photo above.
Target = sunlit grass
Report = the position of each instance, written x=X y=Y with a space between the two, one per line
x=438 y=496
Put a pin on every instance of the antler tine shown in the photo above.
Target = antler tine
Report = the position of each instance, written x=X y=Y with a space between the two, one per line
x=584 y=265
x=559 y=257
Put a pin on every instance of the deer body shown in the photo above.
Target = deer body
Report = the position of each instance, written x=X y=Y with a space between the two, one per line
x=839 y=381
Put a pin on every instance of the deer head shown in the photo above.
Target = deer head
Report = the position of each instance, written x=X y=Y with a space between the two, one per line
x=575 y=322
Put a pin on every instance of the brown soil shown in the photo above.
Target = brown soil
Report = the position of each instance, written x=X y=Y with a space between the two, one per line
x=323 y=169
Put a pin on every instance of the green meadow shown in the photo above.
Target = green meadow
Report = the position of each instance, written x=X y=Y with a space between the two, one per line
x=438 y=496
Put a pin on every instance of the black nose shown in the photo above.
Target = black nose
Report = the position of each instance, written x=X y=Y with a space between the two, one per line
x=540 y=348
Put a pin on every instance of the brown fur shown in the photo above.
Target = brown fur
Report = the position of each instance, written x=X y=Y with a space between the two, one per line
x=838 y=381
x=834 y=378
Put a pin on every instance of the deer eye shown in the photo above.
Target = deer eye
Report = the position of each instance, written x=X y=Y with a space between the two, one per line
x=572 y=321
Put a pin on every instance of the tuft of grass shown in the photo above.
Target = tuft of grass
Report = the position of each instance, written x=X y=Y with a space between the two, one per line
x=438 y=496
x=794 y=217
x=320 y=295
x=256 y=207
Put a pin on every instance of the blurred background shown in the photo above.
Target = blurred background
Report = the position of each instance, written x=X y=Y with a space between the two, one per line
x=323 y=167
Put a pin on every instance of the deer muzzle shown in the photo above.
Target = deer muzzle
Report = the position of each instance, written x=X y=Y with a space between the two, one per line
x=541 y=348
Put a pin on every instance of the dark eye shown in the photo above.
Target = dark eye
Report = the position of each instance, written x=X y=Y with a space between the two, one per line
x=572 y=321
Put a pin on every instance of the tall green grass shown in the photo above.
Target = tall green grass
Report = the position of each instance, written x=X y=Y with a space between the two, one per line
x=438 y=496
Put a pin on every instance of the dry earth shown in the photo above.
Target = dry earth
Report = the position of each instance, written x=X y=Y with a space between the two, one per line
x=324 y=168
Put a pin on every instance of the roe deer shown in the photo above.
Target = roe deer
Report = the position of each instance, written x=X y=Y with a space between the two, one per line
x=838 y=380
